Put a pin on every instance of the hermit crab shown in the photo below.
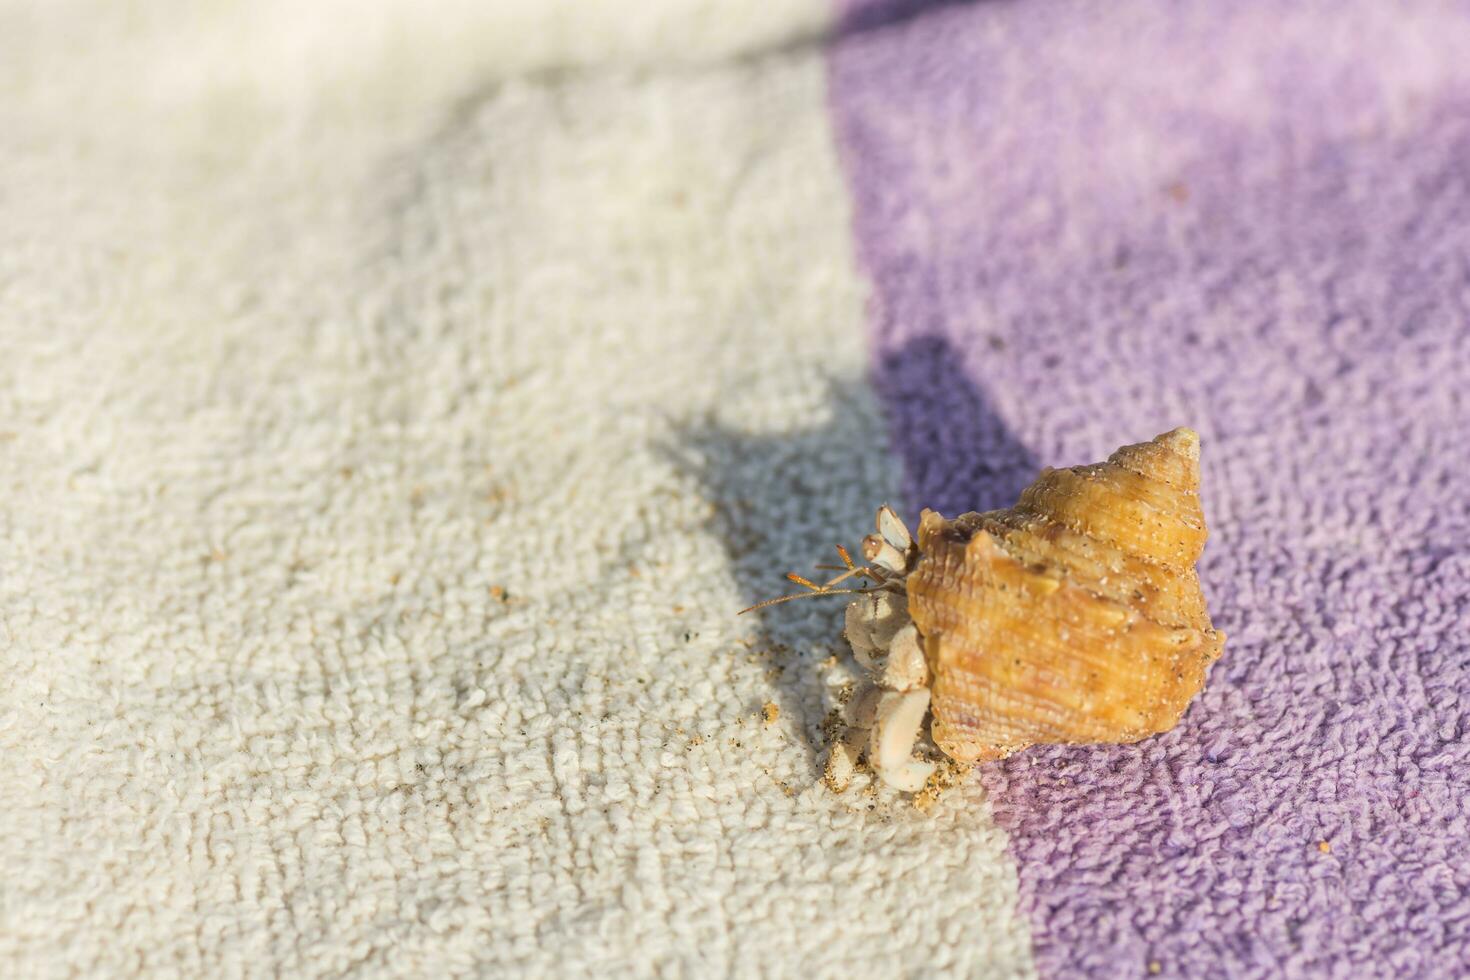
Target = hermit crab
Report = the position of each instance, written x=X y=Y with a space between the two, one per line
x=1075 y=616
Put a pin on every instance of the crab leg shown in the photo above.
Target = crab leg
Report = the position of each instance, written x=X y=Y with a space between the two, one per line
x=895 y=730
x=842 y=762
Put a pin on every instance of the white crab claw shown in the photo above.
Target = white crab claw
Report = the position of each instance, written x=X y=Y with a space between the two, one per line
x=906 y=668
x=871 y=623
x=888 y=613
x=895 y=730
x=893 y=529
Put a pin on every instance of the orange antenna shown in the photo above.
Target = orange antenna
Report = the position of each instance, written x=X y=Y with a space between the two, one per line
x=850 y=570
x=809 y=595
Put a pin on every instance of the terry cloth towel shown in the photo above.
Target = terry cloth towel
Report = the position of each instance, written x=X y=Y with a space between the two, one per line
x=398 y=401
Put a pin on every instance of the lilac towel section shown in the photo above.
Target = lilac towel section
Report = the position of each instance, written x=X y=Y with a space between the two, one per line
x=1088 y=223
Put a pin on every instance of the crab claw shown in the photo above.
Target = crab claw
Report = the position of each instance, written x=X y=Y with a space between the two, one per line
x=905 y=669
x=871 y=622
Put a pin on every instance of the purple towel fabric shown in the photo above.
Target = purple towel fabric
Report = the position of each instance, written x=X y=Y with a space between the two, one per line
x=1088 y=223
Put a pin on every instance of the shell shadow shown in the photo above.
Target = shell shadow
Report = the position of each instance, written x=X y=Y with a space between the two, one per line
x=871 y=15
x=958 y=451
x=781 y=500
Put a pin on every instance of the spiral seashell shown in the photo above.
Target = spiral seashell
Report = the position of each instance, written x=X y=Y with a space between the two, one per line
x=1075 y=616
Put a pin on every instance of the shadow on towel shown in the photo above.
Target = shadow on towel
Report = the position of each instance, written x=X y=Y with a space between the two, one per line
x=763 y=487
x=958 y=453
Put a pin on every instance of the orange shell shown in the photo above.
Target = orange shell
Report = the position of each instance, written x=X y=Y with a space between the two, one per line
x=1075 y=616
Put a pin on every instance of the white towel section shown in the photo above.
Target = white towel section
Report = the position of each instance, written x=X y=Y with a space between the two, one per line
x=387 y=440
